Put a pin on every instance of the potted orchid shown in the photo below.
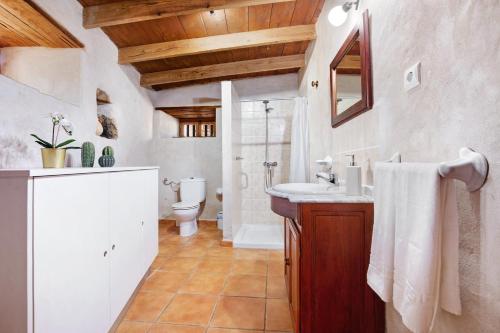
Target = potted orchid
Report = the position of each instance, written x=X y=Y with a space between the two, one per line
x=54 y=153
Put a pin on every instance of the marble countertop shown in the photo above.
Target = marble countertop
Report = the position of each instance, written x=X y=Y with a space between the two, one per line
x=65 y=171
x=334 y=197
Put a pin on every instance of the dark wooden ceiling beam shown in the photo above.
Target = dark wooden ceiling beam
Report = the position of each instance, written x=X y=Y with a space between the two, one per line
x=185 y=113
x=194 y=46
x=27 y=25
x=223 y=70
x=130 y=11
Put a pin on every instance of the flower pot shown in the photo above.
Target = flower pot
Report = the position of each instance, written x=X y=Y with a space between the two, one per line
x=53 y=157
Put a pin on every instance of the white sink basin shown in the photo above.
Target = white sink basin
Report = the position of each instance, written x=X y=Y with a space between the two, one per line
x=306 y=188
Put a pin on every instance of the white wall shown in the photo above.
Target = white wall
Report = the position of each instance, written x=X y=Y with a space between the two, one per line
x=457 y=105
x=24 y=110
x=54 y=72
x=202 y=157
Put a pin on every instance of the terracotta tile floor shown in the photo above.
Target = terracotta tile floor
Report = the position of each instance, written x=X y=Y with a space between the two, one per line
x=198 y=286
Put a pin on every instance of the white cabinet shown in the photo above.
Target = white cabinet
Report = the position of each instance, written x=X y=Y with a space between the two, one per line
x=126 y=218
x=89 y=238
x=70 y=263
x=150 y=213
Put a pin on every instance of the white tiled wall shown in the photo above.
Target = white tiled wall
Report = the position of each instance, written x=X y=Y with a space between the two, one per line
x=255 y=202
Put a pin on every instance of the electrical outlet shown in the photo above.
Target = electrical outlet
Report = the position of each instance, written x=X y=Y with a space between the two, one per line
x=412 y=77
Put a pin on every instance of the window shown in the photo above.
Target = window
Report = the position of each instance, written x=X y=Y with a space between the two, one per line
x=188 y=129
x=197 y=129
x=194 y=121
x=207 y=129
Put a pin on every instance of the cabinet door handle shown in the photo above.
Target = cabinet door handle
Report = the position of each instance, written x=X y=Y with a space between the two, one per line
x=113 y=247
x=105 y=253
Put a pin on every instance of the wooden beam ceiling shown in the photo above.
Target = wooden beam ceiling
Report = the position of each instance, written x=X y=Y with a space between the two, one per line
x=185 y=113
x=223 y=70
x=175 y=43
x=24 y=24
x=225 y=42
x=130 y=11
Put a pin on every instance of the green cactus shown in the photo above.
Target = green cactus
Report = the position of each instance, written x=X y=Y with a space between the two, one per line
x=108 y=151
x=106 y=161
x=88 y=154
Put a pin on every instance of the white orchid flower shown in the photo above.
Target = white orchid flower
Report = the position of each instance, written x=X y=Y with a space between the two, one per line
x=67 y=126
x=56 y=117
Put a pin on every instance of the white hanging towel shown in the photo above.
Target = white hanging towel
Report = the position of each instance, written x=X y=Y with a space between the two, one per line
x=299 y=153
x=416 y=237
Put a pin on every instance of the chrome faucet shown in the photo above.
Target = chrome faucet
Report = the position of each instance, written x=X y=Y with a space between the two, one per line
x=332 y=177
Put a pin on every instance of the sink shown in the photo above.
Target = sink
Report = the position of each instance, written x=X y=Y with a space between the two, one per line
x=306 y=188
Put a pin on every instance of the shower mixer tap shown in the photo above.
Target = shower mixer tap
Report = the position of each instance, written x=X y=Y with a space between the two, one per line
x=270 y=164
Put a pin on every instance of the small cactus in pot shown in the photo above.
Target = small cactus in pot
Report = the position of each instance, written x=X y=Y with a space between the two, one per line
x=88 y=155
x=107 y=159
x=108 y=151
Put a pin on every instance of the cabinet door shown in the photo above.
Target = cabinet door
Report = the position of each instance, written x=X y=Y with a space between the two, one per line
x=295 y=276
x=336 y=246
x=70 y=244
x=126 y=266
x=287 y=258
x=149 y=216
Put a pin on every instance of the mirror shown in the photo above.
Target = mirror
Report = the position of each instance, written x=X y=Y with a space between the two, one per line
x=350 y=75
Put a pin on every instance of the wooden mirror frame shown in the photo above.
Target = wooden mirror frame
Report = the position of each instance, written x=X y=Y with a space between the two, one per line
x=361 y=31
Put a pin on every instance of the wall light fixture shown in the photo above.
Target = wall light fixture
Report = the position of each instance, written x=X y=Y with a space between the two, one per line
x=338 y=14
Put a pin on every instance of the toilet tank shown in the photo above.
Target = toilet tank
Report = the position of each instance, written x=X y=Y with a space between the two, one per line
x=193 y=189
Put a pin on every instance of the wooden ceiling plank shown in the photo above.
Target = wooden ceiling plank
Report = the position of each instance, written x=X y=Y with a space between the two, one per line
x=216 y=24
x=30 y=24
x=281 y=16
x=195 y=28
x=303 y=14
x=217 y=43
x=259 y=17
x=223 y=70
x=129 y=11
x=237 y=21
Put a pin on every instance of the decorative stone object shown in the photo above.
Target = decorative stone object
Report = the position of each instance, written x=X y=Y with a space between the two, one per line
x=110 y=131
x=99 y=129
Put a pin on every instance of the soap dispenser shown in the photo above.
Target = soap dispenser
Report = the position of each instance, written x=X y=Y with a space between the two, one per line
x=353 y=178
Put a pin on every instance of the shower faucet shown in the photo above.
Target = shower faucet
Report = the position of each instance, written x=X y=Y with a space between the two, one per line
x=270 y=164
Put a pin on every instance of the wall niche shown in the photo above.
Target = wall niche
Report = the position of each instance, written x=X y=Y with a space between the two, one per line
x=106 y=124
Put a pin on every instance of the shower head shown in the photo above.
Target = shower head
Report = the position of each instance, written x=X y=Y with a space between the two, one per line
x=268 y=109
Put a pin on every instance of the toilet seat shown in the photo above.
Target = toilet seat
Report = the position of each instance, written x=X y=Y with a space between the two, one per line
x=185 y=205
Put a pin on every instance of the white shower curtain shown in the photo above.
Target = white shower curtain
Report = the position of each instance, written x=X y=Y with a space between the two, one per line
x=299 y=154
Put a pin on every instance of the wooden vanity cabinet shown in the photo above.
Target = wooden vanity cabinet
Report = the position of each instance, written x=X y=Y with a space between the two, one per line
x=327 y=249
x=292 y=269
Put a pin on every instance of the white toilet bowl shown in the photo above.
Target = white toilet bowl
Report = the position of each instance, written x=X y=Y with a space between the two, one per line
x=185 y=216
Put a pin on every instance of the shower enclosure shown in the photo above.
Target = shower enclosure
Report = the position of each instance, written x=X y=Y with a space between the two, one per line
x=256 y=152
x=267 y=164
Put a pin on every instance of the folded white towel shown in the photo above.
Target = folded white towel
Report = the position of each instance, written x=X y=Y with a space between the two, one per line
x=381 y=268
x=415 y=236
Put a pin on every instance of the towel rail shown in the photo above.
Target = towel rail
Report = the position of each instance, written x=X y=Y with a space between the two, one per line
x=471 y=167
x=396 y=158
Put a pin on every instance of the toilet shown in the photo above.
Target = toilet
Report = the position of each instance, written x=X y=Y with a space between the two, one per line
x=186 y=212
